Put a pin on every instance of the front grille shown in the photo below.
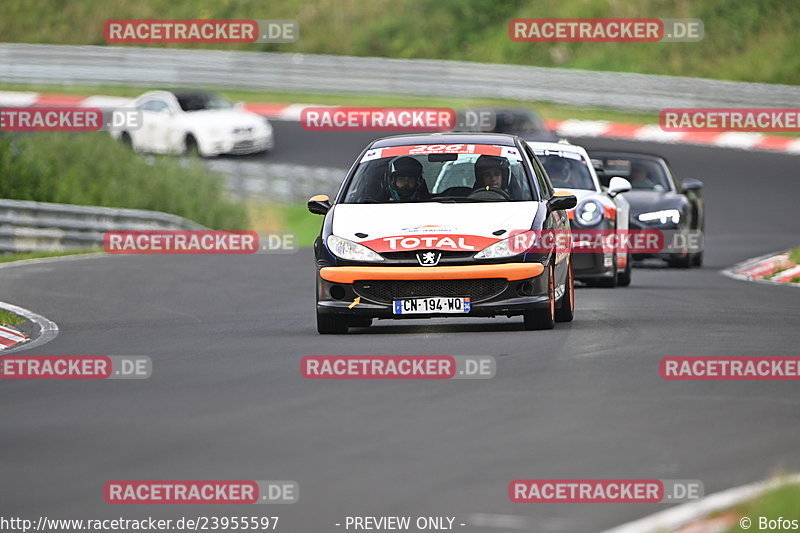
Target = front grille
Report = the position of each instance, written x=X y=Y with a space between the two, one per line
x=412 y=256
x=388 y=290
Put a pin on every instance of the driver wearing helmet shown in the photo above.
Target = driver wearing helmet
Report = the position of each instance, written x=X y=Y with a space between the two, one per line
x=405 y=182
x=491 y=171
x=638 y=177
x=559 y=170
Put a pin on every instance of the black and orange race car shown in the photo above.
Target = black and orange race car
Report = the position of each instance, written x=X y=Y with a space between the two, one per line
x=424 y=226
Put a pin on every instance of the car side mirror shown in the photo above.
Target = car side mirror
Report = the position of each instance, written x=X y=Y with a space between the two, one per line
x=562 y=201
x=689 y=184
x=618 y=185
x=319 y=204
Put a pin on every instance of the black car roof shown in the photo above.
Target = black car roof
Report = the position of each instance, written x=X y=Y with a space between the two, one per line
x=501 y=139
x=626 y=153
x=190 y=93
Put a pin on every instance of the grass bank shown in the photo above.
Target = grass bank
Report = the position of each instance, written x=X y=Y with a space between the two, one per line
x=743 y=41
x=93 y=169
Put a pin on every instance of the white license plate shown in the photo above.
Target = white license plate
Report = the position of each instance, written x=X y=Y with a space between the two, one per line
x=424 y=306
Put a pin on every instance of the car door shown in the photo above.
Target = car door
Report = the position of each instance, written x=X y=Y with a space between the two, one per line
x=156 y=119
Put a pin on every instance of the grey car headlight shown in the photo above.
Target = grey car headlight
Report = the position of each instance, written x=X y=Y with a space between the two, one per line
x=499 y=249
x=351 y=251
x=589 y=212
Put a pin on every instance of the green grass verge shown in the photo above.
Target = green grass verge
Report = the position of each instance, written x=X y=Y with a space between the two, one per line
x=9 y=258
x=8 y=318
x=782 y=502
x=794 y=255
x=93 y=169
x=294 y=218
x=747 y=41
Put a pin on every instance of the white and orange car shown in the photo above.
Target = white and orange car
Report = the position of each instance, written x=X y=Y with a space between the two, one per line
x=599 y=210
x=422 y=227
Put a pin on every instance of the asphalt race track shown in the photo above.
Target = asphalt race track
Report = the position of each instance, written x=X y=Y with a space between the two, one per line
x=226 y=399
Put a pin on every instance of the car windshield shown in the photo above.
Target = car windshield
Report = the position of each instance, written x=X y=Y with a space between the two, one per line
x=643 y=173
x=439 y=173
x=202 y=102
x=567 y=170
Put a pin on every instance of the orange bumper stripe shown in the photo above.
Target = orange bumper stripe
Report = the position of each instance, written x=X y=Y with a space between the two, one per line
x=508 y=271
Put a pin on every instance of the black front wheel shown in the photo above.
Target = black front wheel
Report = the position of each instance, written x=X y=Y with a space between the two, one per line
x=331 y=324
x=544 y=318
x=566 y=312
x=624 y=278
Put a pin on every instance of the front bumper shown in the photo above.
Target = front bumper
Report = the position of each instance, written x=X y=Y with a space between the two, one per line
x=241 y=146
x=502 y=289
x=593 y=265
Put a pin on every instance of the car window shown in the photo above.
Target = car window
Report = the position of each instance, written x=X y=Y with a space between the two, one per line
x=446 y=177
x=202 y=102
x=545 y=186
x=643 y=173
x=156 y=106
x=566 y=170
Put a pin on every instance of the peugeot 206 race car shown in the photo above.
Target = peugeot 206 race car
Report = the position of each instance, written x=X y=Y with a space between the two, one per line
x=423 y=226
x=195 y=122
x=600 y=211
x=660 y=201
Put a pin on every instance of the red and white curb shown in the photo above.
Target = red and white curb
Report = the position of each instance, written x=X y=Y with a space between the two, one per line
x=757 y=268
x=653 y=133
x=566 y=128
x=692 y=517
x=10 y=337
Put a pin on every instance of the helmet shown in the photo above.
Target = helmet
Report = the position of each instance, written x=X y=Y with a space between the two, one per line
x=486 y=162
x=557 y=168
x=405 y=167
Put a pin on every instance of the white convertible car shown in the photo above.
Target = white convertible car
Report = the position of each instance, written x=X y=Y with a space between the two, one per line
x=195 y=122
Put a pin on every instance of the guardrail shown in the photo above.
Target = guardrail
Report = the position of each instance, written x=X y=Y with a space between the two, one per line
x=157 y=67
x=40 y=226
x=276 y=182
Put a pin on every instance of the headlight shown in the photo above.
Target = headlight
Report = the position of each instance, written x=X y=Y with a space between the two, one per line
x=589 y=213
x=352 y=251
x=661 y=216
x=497 y=250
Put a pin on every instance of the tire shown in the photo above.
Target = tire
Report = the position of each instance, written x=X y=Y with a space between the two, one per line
x=697 y=259
x=331 y=324
x=608 y=283
x=191 y=149
x=538 y=319
x=126 y=140
x=681 y=262
x=566 y=312
x=624 y=279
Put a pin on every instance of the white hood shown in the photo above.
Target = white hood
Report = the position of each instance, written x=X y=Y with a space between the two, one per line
x=475 y=222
